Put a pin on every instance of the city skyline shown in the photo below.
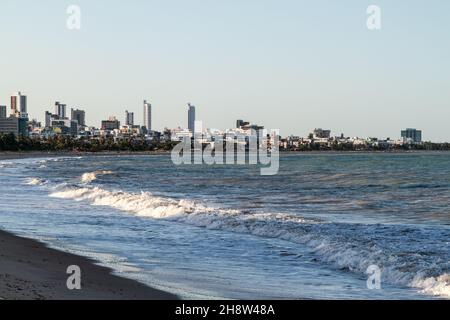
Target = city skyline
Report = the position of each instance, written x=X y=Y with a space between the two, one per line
x=280 y=67
x=19 y=109
x=19 y=102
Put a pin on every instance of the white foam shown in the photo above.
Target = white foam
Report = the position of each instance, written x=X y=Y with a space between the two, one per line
x=35 y=182
x=436 y=286
x=342 y=250
x=7 y=165
x=88 y=177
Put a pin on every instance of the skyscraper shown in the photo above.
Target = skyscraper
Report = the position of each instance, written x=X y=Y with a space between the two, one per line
x=147 y=115
x=191 y=117
x=60 y=110
x=48 y=119
x=2 y=112
x=19 y=105
x=78 y=116
x=129 y=118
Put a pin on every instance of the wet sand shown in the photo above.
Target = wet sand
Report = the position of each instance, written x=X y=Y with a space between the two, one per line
x=29 y=270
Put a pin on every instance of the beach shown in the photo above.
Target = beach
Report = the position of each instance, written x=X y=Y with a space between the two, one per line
x=29 y=270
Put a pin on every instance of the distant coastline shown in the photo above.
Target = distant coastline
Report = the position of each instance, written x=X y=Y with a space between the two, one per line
x=11 y=155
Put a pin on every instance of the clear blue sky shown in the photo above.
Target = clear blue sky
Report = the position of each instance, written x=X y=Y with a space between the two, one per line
x=293 y=65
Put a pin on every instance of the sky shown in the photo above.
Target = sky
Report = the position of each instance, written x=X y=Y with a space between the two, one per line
x=289 y=65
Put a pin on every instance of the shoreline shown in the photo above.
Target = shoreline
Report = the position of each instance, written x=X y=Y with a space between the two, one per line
x=11 y=155
x=30 y=270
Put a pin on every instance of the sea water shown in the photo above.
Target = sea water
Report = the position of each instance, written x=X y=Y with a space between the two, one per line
x=224 y=231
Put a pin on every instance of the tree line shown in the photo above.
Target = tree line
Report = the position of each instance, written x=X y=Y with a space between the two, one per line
x=9 y=142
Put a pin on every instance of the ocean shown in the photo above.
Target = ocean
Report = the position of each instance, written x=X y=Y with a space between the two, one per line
x=225 y=231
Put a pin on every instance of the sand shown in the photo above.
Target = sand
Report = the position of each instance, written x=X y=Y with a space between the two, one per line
x=29 y=270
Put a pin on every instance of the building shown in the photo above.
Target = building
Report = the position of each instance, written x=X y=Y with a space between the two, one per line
x=48 y=119
x=180 y=134
x=19 y=105
x=65 y=127
x=34 y=128
x=15 y=125
x=111 y=124
x=191 y=117
x=247 y=127
x=60 y=110
x=3 y=112
x=321 y=134
x=79 y=116
x=147 y=115
x=129 y=118
x=413 y=135
x=241 y=123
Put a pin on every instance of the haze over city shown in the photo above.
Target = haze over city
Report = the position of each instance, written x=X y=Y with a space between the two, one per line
x=294 y=66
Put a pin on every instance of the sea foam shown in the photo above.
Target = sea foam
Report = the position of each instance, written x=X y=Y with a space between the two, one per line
x=88 y=177
x=35 y=181
x=344 y=246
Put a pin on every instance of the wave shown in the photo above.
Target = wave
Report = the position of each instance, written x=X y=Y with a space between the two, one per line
x=7 y=165
x=436 y=286
x=351 y=247
x=35 y=181
x=88 y=177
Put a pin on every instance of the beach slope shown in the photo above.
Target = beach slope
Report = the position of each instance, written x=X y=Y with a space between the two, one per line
x=29 y=270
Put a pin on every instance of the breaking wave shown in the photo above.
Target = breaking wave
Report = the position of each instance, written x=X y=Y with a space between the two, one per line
x=35 y=182
x=92 y=176
x=351 y=247
x=7 y=165
x=436 y=286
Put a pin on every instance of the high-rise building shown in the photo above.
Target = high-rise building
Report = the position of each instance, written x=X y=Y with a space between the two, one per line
x=2 y=112
x=60 y=110
x=412 y=134
x=48 y=119
x=191 y=117
x=79 y=116
x=147 y=115
x=129 y=118
x=19 y=105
